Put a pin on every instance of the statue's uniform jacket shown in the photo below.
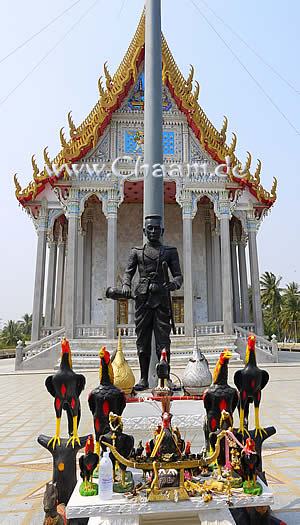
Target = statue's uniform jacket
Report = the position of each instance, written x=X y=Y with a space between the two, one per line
x=152 y=308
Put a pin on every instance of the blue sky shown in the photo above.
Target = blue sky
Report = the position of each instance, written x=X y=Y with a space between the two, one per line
x=31 y=117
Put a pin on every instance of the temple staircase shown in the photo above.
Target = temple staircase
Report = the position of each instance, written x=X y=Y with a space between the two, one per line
x=45 y=354
x=85 y=352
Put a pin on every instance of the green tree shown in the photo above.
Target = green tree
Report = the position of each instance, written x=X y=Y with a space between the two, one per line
x=271 y=301
x=11 y=333
x=26 y=324
x=290 y=313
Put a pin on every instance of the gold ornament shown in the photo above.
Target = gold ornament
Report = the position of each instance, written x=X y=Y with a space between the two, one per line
x=123 y=375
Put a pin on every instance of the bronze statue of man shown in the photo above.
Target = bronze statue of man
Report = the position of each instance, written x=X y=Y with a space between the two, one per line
x=152 y=305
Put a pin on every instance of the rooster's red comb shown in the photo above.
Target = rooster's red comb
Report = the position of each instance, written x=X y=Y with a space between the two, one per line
x=105 y=354
x=65 y=346
x=251 y=341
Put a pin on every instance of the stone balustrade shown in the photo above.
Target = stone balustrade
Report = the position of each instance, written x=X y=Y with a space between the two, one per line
x=265 y=350
x=83 y=331
x=45 y=331
x=43 y=347
x=249 y=327
x=210 y=328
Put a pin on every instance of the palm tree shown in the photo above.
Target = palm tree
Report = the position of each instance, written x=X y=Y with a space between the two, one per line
x=290 y=314
x=271 y=301
x=26 y=324
x=11 y=333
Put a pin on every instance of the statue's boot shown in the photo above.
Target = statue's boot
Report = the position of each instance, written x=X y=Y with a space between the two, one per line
x=143 y=383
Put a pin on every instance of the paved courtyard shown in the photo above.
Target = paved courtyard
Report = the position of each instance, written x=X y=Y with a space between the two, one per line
x=27 y=410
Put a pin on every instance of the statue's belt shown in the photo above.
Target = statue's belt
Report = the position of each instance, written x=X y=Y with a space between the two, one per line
x=142 y=286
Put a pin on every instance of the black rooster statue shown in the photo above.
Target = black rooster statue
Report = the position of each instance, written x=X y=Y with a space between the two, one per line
x=163 y=369
x=105 y=398
x=250 y=381
x=87 y=463
x=66 y=386
x=219 y=396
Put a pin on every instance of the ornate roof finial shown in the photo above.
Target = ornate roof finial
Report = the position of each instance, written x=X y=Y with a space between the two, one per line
x=257 y=173
x=62 y=138
x=274 y=188
x=190 y=78
x=47 y=159
x=224 y=127
x=197 y=91
x=100 y=87
x=232 y=146
x=248 y=162
x=36 y=170
x=73 y=129
x=17 y=186
x=108 y=78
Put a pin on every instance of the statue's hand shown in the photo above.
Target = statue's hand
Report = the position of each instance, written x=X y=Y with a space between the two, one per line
x=154 y=288
x=171 y=286
x=126 y=290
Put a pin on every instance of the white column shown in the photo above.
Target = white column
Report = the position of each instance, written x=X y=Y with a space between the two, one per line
x=112 y=257
x=226 y=269
x=52 y=245
x=80 y=269
x=244 y=282
x=217 y=280
x=235 y=283
x=61 y=250
x=254 y=271
x=209 y=269
x=187 y=220
x=72 y=253
x=88 y=242
x=38 y=296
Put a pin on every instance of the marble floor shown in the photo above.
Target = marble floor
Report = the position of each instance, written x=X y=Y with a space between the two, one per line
x=27 y=410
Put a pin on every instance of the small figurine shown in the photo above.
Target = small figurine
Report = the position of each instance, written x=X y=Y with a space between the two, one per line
x=88 y=462
x=219 y=396
x=167 y=442
x=187 y=449
x=196 y=376
x=123 y=375
x=66 y=386
x=249 y=464
x=250 y=381
x=123 y=443
x=224 y=455
x=148 y=449
x=50 y=503
x=163 y=369
x=105 y=398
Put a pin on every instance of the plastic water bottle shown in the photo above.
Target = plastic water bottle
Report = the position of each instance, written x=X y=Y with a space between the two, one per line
x=105 y=479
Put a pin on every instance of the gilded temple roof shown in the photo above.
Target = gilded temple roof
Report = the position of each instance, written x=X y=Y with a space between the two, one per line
x=112 y=92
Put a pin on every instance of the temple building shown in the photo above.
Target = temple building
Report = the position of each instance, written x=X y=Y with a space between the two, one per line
x=87 y=207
